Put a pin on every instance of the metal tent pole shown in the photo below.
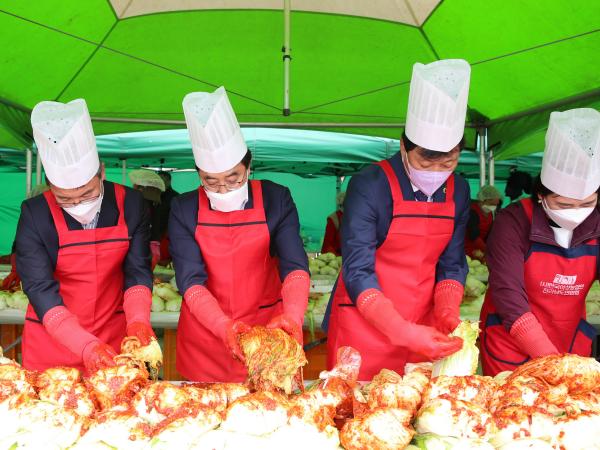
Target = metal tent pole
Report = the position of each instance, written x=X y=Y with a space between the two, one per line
x=123 y=172
x=492 y=163
x=481 y=142
x=28 y=171
x=38 y=169
x=287 y=58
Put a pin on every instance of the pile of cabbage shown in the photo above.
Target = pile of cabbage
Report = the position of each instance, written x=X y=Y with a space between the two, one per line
x=550 y=403
x=475 y=289
x=315 y=311
x=13 y=300
x=325 y=266
x=476 y=278
x=165 y=297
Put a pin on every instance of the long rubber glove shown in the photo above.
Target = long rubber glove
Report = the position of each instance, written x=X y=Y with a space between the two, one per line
x=379 y=311
x=206 y=310
x=447 y=297
x=527 y=331
x=137 y=303
x=64 y=328
x=294 y=293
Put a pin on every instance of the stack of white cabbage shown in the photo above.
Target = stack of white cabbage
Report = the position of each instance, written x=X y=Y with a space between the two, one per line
x=476 y=278
x=165 y=297
x=325 y=266
x=13 y=300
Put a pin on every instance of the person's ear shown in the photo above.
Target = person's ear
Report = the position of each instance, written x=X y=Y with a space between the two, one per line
x=102 y=172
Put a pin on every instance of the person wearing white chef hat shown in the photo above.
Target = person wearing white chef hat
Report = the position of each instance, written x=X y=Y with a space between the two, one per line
x=82 y=251
x=543 y=253
x=236 y=247
x=403 y=230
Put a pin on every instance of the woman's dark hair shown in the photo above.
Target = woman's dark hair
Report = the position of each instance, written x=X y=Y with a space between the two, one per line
x=430 y=155
x=540 y=189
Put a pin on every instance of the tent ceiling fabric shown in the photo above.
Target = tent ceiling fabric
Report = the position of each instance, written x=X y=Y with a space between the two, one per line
x=134 y=60
x=410 y=12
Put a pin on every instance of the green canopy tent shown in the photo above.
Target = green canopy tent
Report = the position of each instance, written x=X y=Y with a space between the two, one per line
x=347 y=64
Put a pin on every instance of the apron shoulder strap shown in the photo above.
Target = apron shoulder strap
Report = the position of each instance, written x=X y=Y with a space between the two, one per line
x=450 y=189
x=257 y=195
x=388 y=170
x=57 y=213
x=120 y=198
x=527 y=206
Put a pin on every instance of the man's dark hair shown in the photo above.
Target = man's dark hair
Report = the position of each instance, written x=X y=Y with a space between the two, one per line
x=247 y=159
x=430 y=155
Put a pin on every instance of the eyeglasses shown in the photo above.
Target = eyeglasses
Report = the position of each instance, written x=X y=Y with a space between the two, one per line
x=229 y=185
x=83 y=201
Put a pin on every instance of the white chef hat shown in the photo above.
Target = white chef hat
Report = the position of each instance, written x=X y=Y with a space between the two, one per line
x=571 y=164
x=65 y=141
x=437 y=104
x=217 y=140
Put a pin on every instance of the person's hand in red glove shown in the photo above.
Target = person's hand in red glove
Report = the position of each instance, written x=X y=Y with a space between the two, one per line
x=294 y=295
x=379 y=311
x=137 y=303
x=287 y=324
x=12 y=279
x=531 y=338
x=430 y=343
x=63 y=326
x=230 y=337
x=98 y=355
x=447 y=296
x=206 y=309
x=142 y=331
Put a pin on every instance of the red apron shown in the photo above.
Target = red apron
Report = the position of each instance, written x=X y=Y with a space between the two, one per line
x=405 y=265
x=89 y=270
x=242 y=276
x=557 y=281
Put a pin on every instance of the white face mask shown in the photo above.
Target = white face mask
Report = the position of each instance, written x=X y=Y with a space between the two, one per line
x=84 y=213
x=230 y=201
x=568 y=219
x=488 y=208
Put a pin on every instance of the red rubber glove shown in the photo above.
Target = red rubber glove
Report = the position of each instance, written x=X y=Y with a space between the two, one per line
x=98 y=356
x=531 y=337
x=447 y=296
x=155 y=252
x=206 y=310
x=137 y=303
x=233 y=329
x=63 y=326
x=12 y=279
x=294 y=293
x=379 y=311
x=287 y=324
